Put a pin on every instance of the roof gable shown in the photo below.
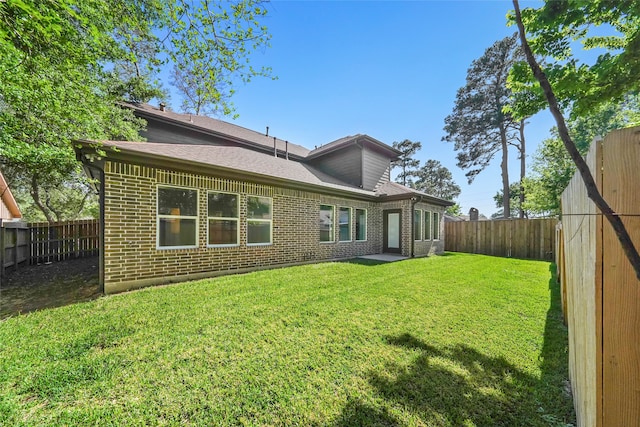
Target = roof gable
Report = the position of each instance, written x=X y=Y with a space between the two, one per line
x=349 y=141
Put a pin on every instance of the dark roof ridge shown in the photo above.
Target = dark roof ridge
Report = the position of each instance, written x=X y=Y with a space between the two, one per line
x=206 y=123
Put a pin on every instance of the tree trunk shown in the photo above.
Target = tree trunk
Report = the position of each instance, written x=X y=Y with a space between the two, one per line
x=506 y=197
x=523 y=166
x=592 y=190
x=35 y=195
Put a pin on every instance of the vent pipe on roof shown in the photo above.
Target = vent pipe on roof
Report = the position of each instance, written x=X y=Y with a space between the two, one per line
x=286 y=149
x=162 y=106
x=275 y=151
x=267 y=134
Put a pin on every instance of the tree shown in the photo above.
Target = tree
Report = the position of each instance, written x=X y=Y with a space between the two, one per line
x=406 y=162
x=479 y=125
x=515 y=196
x=612 y=76
x=552 y=168
x=65 y=65
x=436 y=180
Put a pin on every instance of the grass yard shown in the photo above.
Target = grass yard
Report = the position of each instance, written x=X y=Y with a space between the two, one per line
x=454 y=340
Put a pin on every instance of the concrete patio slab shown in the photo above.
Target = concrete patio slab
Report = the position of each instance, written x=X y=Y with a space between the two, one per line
x=384 y=257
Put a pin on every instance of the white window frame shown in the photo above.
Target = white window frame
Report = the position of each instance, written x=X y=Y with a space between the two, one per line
x=332 y=231
x=270 y=221
x=366 y=228
x=159 y=216
x=436 y=226
x=349 y=224
x=428 y=234
x=419 y=223
x=236 y=219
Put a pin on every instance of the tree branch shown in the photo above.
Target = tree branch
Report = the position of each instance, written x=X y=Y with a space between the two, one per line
x=592 y=190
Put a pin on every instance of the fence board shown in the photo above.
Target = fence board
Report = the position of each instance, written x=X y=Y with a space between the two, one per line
x=602 y=291
x=621 y=295
x=581 y=230
x=519 y=238
x=35 y=243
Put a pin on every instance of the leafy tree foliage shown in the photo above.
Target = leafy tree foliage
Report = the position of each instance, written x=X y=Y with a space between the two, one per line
x=406 y=162
x=553 y=168
x=515 y=191
x=613 y=75
x=436 y=180
x=479 y=126
x=65 y=65
x=553 y=32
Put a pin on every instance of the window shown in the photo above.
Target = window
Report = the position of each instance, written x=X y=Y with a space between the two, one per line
x=427 y=225
x=259 y=219
x=222 y=215
x=177 y=218
x=326 y=223
x=361 y=225
x=344 y=224
x=436 y=226
x=417 y=224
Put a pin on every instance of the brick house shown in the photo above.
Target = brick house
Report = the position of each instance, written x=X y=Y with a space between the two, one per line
x=204 y=197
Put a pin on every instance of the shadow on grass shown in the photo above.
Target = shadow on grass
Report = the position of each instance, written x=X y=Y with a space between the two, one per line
x=459 y=385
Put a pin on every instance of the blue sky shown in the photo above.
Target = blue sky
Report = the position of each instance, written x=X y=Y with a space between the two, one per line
x=386 y=69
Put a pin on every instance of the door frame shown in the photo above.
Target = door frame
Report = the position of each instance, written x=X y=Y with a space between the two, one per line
x=385 y=231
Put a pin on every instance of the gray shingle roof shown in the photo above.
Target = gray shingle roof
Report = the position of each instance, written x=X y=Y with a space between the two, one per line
x=391 y=189
x=238 y=159
x=220 y=127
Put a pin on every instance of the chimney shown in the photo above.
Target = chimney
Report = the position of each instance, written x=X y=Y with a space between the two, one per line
x=162 y=106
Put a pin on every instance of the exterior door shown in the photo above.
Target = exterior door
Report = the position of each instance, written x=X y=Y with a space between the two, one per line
x=392 y=223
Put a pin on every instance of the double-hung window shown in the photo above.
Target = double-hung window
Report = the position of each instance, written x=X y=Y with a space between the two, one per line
x=436 y=226
x=222 y=215
x=177 y=219
x=326 y=223
x=344 y=224
x=361 y=225
x=259 y=220
x=427 y=225
x=417 y=224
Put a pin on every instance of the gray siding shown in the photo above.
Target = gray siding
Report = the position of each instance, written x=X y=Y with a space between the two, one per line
x=170 y=134
x=376 y=169
x=345 y=164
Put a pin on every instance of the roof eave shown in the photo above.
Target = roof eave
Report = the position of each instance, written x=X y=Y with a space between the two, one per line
x=172 y=163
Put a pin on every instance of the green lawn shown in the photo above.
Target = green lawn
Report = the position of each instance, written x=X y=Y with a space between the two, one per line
x=454 y=340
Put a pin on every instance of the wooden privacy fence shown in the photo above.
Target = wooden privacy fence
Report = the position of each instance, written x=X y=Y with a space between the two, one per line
x=515 y=238
x=35 y=243
x=601 y=295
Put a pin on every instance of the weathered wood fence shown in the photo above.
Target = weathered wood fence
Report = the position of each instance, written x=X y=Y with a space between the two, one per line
x=515 y=238
x=34 y=243
x=601 y=294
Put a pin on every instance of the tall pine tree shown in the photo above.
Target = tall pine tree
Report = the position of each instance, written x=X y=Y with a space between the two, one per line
x=479 y=126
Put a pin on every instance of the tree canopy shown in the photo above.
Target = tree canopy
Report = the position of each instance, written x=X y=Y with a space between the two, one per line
x=407 y=164
x=552 y=168
x=435 y=179
x=65 y=65
x=558 y=23
x=479 y=125
x=610 y=28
